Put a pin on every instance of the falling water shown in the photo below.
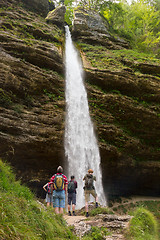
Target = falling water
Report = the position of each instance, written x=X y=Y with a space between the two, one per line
x=81 y=147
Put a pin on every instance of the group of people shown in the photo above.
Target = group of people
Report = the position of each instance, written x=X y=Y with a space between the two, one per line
x=58 y=187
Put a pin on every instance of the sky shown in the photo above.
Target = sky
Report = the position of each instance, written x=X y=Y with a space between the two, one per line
x=129 y=1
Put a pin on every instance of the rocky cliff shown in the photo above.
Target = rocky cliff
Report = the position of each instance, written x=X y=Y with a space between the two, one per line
x=123 y=93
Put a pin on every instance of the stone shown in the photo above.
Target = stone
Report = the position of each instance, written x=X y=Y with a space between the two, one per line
x=57 y=16
x=115 y=225
x=90 y=27
x=39 y=6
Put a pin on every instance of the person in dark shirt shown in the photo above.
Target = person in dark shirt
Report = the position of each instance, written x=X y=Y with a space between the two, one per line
x=72 y=185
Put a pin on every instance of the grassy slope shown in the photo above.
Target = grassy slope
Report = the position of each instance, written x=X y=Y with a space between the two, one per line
x=130 y=206
x=22 y=217
x=102 y=58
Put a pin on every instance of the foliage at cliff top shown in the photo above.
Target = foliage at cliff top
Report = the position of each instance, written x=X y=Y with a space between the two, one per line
x=138 y=22
x=22 y=217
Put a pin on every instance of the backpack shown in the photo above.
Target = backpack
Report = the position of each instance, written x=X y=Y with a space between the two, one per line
x=71 y=187
x=58 y=182
x=48 y=188
x=89 y=182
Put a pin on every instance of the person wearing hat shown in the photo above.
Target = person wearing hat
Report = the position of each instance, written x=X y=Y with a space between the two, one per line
x=89 y=189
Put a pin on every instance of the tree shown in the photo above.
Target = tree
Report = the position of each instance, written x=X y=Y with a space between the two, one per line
x=139 y=22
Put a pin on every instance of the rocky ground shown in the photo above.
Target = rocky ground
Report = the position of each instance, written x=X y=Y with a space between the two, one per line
x=115 y=224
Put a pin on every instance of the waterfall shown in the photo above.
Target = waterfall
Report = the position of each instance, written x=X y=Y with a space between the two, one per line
x=81 y=148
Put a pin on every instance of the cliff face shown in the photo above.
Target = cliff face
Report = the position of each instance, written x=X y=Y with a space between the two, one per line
x=123 y=95
x=124 y=100
x=31 y=94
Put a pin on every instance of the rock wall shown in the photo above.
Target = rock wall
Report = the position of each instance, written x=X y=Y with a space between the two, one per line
x=57 y=16
x=32 y=104
x=39 y=6
x=31 y=96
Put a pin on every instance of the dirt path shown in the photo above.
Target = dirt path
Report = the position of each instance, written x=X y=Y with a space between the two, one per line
x=71 y=220
x=115 y=224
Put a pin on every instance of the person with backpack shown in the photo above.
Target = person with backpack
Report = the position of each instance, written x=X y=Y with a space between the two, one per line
x=49 y=195
x=72 y=185
x=89 y=189
x=59 y=188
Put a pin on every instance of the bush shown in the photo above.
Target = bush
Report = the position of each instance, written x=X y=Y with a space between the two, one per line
x=143 y=226
x=97 y=233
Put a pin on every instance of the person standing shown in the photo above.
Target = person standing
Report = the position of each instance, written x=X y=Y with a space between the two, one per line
x=72 y=185
x=89 y=189
x=59 y=184
x=49 y=195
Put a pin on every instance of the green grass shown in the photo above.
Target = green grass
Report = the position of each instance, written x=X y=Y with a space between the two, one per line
x=130 y=208
x=99 y=210
x=97 y=234
x=22 y=217
x=102 y=58
x=143 y=226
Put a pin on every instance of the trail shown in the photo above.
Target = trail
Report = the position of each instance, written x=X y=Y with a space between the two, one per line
x=116 y=224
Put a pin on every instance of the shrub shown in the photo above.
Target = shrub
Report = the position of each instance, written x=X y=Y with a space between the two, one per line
x=143 y=226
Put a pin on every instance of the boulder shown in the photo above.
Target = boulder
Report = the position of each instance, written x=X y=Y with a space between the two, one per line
x=57 y=16
x=92 y=28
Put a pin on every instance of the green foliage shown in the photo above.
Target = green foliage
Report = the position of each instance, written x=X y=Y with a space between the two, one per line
x=52 y=96
x=143 y=226
x=69 y=11
x=22 y=217
x=8 y=184
x=97 y=234
x=139 y=22
x=103 y=58
x=99 y=210
x=69 y=16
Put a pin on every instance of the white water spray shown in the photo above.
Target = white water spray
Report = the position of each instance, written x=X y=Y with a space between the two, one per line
x=81 y=147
